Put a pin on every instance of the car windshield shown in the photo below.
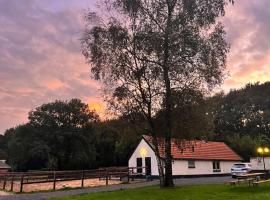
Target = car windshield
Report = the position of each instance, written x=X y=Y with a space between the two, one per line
x=239 y=165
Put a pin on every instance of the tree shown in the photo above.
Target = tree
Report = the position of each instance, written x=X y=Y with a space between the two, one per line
x=58 y=136
x=244 y=112
x=191 y=119
x=242 y=118
x=147 y=50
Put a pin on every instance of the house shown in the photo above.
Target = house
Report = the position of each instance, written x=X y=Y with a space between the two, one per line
x=202 y=158
x=258 y=163
x=4 y=167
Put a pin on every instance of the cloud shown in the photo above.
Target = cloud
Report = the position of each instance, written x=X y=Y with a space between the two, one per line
x=248 y=32
x=40 y=56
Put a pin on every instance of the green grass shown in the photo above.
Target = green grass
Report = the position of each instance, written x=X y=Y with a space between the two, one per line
x=202 y=192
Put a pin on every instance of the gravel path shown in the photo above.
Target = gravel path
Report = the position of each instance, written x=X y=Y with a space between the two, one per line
x=179 y=182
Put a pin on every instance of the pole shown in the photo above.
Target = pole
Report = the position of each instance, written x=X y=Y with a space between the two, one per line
x=21 y=188
x=82 y=178
x=54 y=180
x=263 y=164
x=107 y=177
x=12 y=180
x=5 y=182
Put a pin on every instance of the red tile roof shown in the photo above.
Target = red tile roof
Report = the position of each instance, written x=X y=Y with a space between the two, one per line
x=199 y=150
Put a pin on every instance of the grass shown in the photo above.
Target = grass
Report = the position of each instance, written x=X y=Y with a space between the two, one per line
x=201 y=192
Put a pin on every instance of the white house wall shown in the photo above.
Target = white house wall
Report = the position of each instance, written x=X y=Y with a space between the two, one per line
x=257 y=163
x=147 y=152
x=179 y=167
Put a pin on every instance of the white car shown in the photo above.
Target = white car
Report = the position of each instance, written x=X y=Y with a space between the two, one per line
x=240 y=169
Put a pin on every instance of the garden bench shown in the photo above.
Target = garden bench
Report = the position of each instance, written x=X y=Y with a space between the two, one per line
x=248 y=180
x=256 y=183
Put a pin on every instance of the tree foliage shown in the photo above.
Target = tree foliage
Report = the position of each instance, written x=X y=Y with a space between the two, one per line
x=243 y=115
x=245 y=111
x=42 y=143
x=152 y=49
x=66 y=135
x=59 y=135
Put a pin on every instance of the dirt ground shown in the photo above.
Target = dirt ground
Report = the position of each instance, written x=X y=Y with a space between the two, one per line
x=59 y=185
x=2 y=193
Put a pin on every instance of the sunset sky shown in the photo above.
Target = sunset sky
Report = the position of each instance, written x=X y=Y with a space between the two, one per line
x=41 y=60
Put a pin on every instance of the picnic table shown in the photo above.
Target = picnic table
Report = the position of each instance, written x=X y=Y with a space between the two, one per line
x=249 y=178
x=250 y=175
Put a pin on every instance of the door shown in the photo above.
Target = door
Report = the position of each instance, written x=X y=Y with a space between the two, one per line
x=139 y=165
x=148 y=165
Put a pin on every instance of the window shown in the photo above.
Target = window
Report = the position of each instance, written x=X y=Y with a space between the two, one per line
x=148 y=165
x=139 y=165
x=191 y=164
x=216 y=166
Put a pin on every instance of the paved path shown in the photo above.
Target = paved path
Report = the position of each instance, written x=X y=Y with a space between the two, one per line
x=47 y=195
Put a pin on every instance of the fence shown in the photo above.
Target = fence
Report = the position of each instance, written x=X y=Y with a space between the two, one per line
x=38 y=177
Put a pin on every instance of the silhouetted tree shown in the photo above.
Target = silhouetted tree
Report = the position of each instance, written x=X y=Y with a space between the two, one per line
x=147 y=50
x=59 y=135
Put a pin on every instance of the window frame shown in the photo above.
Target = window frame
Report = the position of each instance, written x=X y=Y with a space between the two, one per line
x=216 y=166
x=191 y=164
x=139 y=165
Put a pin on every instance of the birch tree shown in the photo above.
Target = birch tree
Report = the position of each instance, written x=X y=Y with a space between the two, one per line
x=144 y=51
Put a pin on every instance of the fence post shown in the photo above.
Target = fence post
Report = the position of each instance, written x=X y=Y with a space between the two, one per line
x=120 y=174
x=107 y=176
x=12 y=179
x=21 y=188
x=5 y=182
x=54 y=180
x=128 y=174
x=82 y=177
x=133 y=173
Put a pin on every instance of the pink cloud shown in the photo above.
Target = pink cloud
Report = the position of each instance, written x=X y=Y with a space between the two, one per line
x=41 y=60
x=249 y=58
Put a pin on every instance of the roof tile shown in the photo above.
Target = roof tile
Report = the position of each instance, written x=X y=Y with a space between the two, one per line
x=202 y=150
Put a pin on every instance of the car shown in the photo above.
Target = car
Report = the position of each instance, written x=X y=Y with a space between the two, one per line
x=240 y=169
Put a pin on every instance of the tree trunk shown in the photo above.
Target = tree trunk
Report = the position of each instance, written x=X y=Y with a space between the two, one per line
x=168 y=182
x=157 y=153
x=160 y=165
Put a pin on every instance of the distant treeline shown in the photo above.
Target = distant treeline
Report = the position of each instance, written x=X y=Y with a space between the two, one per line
x=66 y=135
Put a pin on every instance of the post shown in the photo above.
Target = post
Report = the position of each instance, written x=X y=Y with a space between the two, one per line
x=263 y=164
x=54 y=180
x=12 y=180
x=82 y=178
x=107 y=176
x=133 y=177
x=120 y=174
x=21 y=188
x=5 y=182
x=128 y=175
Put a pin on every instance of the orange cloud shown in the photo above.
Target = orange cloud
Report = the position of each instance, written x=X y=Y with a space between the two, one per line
x=54 y=84
x=99 y=107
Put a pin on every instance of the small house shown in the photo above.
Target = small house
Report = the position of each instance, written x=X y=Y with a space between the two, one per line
x=4 y=167
x=260 y=163
x=197 y=158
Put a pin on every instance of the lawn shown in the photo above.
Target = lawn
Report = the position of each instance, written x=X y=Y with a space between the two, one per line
x=202 y=192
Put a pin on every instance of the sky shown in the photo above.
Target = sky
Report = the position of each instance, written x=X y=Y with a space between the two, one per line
x=41 y=60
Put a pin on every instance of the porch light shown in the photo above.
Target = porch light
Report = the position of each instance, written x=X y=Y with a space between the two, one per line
x=143 y=152
x=262 y=151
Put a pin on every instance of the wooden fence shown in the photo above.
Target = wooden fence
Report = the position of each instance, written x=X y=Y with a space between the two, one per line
x=36 y=177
